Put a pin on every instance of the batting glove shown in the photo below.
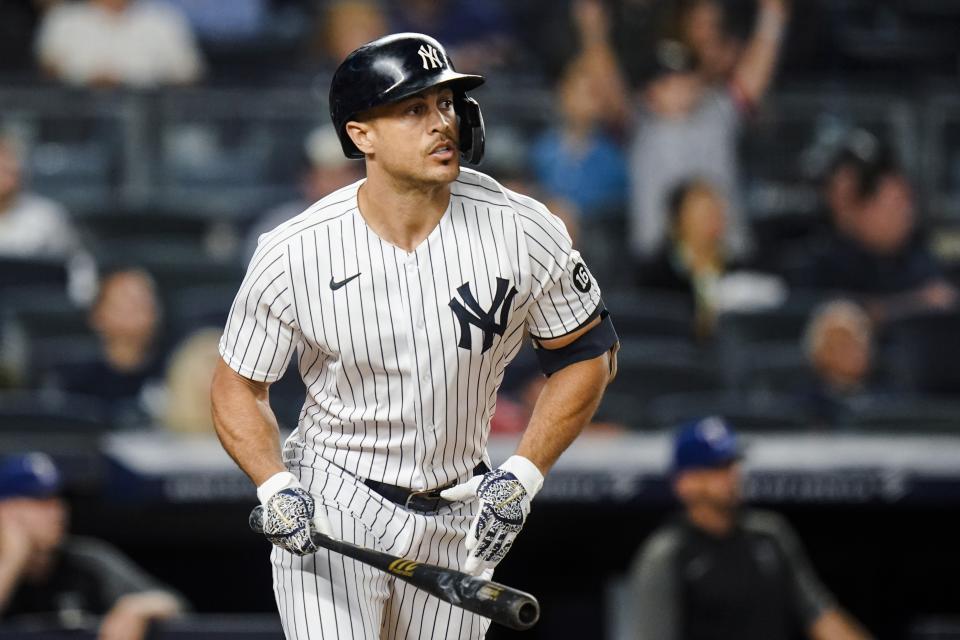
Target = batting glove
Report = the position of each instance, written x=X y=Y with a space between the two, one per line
x=504 y=494
x=290 y=515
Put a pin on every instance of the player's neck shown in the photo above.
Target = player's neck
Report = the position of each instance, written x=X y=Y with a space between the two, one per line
x=403 y=215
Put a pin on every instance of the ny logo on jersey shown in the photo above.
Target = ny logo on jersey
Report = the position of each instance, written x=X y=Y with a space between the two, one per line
x=430 y=57
x=474 y=315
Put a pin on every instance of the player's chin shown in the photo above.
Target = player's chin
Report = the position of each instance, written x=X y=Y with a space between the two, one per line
x=442 y=171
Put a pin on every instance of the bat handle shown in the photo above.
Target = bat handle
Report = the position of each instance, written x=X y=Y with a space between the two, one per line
x=255 y=520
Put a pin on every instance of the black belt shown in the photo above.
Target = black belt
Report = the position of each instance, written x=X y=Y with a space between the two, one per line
x=424 y=500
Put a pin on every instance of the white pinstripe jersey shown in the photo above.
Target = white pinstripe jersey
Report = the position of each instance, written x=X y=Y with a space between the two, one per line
x=402 y=352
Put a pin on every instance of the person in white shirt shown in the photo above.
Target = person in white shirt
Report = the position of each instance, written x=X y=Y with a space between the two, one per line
x=31 y=226
x=118 y=42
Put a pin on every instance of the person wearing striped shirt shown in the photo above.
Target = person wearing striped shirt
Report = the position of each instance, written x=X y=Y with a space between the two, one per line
x=404 y=297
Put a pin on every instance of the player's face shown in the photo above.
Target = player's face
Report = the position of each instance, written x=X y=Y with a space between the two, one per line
x=887 y=217
x=718 y=488
x=127 y=307
x=415 y=140
x=844 y=353
x=44 y=520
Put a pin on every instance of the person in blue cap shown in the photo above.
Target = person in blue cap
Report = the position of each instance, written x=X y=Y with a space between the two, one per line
x=64 y=580
x=720 y=570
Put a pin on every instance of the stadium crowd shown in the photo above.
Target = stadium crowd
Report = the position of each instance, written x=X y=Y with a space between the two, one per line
x=641 y=157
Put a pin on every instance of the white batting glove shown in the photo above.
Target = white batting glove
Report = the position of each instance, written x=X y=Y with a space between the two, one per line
x=504 y=494
x=290 y=515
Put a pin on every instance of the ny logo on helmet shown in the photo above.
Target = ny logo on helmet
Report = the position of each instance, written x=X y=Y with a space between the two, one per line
x=473 y=314
x=430 y=57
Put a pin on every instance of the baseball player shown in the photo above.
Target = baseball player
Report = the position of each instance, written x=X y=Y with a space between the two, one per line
x=404 y=295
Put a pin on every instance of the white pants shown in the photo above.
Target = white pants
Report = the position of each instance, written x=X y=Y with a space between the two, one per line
x=327 y=596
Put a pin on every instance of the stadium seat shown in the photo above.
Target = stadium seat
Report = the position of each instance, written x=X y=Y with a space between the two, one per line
x=176 y=268
x=150 y=232
x=777 y=368
x=783 y=324
x=746 y=412
x=922 y=353
x=649 y=313
x=622 y=407
x=51 y=412
x=739 y=333
x=22 y=274
x=41 y=331
x=190 y=308
x=645 y=378
x=916 y=414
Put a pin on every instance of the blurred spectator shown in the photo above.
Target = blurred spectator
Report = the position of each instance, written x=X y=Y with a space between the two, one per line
x=31 y=226
x=188 y=376
x=325 y=169
x=45 y=571
x=344 y=25
x=838 y=344
x=477 y=35
x=633 y=25
x=876 y=250
x=118 y=42
x=693 y=260
x=126 y=317
x=687 y=125
x=704 y=30
x=577 y=160
x=719 y=570
x=222 y=20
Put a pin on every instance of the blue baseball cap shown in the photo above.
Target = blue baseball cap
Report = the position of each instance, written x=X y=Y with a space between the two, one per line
x=29 y=475
x=705 y=443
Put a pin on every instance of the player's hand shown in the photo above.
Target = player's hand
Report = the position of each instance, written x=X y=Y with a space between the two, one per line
x=289 y=519
x=504 y=494
x=290 y=515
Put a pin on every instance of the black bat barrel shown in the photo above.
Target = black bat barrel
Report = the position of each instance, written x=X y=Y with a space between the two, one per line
x=502 y=604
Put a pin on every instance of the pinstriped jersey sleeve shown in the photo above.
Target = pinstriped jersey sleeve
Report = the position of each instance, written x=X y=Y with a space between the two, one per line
x=260 y=335
x=565 y=293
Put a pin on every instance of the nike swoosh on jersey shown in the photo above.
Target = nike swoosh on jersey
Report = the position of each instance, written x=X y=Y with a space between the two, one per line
x=334 y=284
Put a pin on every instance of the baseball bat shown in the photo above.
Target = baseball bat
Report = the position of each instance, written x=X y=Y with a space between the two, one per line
x=502 y=604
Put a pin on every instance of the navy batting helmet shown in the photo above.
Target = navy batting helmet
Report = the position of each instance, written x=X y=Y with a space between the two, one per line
x=393 y=68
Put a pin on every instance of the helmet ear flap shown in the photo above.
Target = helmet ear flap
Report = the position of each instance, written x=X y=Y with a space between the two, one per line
x=472 y=135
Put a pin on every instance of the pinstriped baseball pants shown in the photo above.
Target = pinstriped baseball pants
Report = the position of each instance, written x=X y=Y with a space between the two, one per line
x=327 y=596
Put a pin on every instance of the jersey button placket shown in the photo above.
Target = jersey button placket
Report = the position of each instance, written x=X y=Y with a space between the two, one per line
x=419 y=340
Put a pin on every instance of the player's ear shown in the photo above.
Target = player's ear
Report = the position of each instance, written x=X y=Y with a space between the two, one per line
x=362 y=135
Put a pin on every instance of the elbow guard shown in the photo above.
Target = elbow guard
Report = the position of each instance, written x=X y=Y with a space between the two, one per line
x=592 y=344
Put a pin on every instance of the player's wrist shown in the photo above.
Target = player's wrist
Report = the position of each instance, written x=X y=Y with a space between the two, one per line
x=275 y=484
x=526 y=472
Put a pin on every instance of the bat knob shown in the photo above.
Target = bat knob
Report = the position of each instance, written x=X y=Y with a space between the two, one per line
x=528 y=614
x=256 y=519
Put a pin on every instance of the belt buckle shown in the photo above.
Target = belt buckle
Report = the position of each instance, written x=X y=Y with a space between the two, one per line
x=430 y=494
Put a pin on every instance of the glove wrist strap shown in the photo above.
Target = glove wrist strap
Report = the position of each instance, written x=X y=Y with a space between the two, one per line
x=276 y=483
x=527 y=473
